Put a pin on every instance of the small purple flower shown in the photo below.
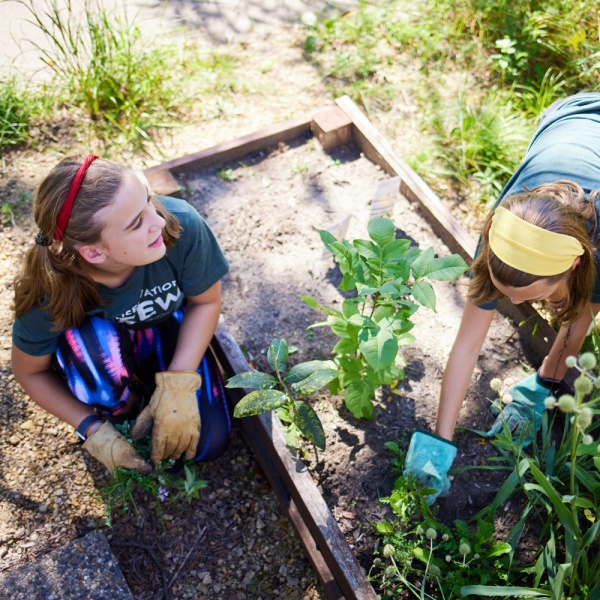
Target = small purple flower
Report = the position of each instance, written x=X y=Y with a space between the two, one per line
x=162 y=494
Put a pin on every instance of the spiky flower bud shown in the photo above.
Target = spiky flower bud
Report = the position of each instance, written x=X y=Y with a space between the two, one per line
x=571 y=361
x=445 y=537
x=464 y=549
x=376 y=562
x=389 y=550
x=597 y=382
x=507 y=399
x=509 y=382
x=434 y=571
x=585 y=418
x=566 y=403
x=419 y=530
x=587 y=361
x=583 y=385
x=476 y=556
x=550 y=402
x=496 y=384
x=431 y=534
x=587 y=439
x=448 y=558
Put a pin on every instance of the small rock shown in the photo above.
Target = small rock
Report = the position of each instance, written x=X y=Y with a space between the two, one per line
x=43 y=508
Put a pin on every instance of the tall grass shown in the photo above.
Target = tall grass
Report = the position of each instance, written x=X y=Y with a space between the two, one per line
x=103 y=65
x=518 y=57
x=16 y=109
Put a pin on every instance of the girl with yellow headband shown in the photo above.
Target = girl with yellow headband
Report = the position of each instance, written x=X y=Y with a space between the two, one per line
x=539 y=242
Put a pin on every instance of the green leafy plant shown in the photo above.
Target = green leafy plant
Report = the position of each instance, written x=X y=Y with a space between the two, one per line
x=428 y=558
x=15 y=112
x=299 y=381
x=390 y=279
x=162 y=484
x=226 y=174
x=104 y=65
x=561 y=483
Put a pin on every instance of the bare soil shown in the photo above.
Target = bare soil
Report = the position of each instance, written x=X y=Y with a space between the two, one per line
x=266 y=215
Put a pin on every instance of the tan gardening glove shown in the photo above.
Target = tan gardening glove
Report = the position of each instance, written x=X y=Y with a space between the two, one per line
x=172 y=415
x=111 y=448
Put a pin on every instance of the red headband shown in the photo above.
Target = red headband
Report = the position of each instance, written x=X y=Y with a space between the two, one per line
x=67 y=207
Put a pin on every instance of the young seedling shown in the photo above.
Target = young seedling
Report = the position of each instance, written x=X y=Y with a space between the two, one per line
x=389 y=277
x=279 y=392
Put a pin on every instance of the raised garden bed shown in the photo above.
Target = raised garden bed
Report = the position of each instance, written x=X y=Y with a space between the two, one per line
x=264 y=195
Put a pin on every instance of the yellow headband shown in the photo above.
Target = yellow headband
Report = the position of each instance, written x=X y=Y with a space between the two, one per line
x=529 y=248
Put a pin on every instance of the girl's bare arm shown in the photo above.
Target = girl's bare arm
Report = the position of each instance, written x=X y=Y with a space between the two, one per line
x=473 y=329
x=197 y=328
x=568 y=343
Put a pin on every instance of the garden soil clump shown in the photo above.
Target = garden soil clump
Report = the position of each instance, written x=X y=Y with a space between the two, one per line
x=265 y=210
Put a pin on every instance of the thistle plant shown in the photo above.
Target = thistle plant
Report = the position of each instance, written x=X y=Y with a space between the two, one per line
x=299 y=417
x=390 y=280
x=428 y=558
x=561 y=483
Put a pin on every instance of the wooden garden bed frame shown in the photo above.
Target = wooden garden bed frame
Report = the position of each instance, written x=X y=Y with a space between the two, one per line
x=330 y=554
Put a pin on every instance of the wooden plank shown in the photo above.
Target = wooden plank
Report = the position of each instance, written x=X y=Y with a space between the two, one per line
x=163 y=183
x=332 y=127
x=233 y=149
x=298 y=491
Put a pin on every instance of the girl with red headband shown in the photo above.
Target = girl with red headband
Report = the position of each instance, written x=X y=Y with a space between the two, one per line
x=540 y=242
x=115 y=307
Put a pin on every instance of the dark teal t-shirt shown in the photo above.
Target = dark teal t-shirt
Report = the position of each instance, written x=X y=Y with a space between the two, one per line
x=566 y=145
x=155 y=291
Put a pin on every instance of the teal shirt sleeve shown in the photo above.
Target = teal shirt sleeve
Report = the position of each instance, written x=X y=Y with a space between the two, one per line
x=32 y=333
x=197 y=256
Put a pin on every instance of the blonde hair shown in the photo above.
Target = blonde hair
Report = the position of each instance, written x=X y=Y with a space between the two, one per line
x=51 y=277
x=560 y=207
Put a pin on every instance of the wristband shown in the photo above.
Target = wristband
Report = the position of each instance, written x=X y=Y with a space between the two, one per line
x=547 y=381
x=86 y=424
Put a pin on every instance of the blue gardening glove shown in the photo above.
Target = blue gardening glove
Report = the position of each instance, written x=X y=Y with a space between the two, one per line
x=428 y=460
x=527 y=406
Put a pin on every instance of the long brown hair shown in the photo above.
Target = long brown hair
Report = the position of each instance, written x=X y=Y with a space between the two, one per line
x=52 y=277
x=560 y=207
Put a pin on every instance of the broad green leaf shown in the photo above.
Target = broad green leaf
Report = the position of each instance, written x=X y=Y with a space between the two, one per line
x=366 y=249
x=564 y=514
x=303 y=370
x=258 y=402
x=315 y=381
x=383 y=312
x=327 y=238
x=348 y=282
x=499 y=549
x=384 y=528
x=338 y=326
x=390 y=289
x=446 y=268
x=504 y=591
x=344 y=256
x=421 y=264
x=357 y=397
x=277 y=355
x=335 y=387
x=309 y=424
x=381 y=231
x=406 y=339
x=251 y=380
x=350 y=363
x=349 y=308
x=394 y=250
x=362 y=321
x=345 y=346
x=424 y=294
x=380 y=349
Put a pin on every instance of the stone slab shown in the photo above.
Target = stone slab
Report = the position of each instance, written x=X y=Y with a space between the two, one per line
x=84 y=569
